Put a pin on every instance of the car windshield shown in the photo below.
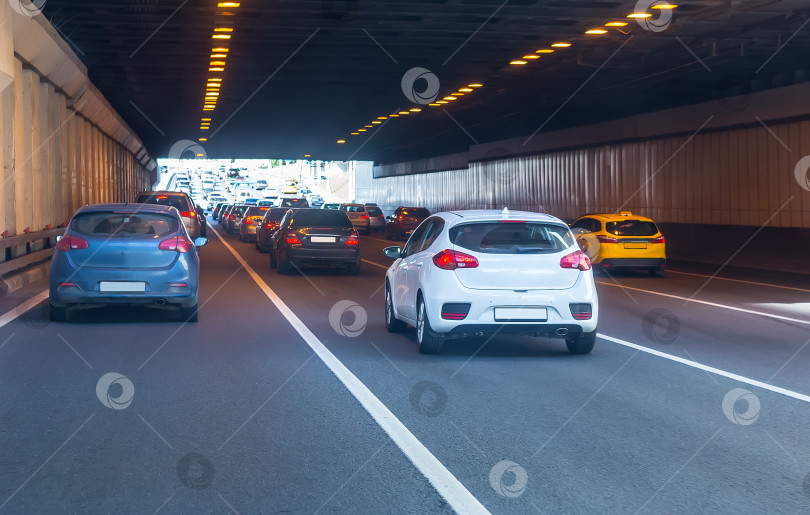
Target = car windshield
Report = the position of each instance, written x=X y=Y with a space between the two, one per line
x=319 y=218
x=111 y=224
x=511 y=237
x=374 y=211
x=632 y=228
x=416 y=212
x=178 y=202
x=353 y=209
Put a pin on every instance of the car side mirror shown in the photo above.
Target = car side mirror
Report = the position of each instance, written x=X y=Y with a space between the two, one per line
x=200 y=242
x=393 y=252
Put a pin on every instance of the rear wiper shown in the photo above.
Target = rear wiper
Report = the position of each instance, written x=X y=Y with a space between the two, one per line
x=527 y=250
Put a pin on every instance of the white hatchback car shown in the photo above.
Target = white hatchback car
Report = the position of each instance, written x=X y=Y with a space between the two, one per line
x=468 y=273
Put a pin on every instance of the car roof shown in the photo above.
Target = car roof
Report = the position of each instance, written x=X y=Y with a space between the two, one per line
x=353 y=204
x=487 y=215
x=131 y=206
x=617 y=217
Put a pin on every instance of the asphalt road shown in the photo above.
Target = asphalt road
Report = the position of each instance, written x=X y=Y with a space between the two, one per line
x=269 y=404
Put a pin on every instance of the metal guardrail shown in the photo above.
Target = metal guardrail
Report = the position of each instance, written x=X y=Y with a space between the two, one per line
x=29 y=258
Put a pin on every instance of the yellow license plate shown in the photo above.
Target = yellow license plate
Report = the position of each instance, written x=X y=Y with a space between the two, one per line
x=635 y=245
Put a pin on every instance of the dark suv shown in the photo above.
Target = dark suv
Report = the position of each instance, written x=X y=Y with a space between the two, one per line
x=179 y=200
x=403 y=222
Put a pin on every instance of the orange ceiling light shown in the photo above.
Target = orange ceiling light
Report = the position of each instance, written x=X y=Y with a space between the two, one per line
x=516 y=62
x=221 y=36
x=639 y=15
x=341 y=141
x=544 y=51
x=203 y=140
x=474 y=85
x=594 y=32
x=530 y=57
x=561 y=44
x=228 y=5
x=218 y=56
x=362 y=130
x=466 y=90
x=217 y=63
x=223 y=29
x=415 y=110
x=216 y=69
x=451 y=97
x=616 y=24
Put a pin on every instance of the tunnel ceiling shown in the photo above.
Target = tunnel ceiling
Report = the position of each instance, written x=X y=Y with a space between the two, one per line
x=302 y=74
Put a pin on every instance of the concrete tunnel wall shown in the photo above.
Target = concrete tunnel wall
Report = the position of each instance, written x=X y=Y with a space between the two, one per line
x=709 y=189
x=63 y=146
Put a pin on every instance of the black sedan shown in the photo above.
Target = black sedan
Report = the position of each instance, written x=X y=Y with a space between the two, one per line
x=268 y=227
x=315 y=237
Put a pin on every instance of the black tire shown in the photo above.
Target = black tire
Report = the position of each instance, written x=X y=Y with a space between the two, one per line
x=58 y=314
x=656 y=272
x=190 y=314
x=273 y=261
x=283 y=266
x=388 y=235
x=353 y=269
x=428 y=344
x=392 y=323
x=368 y=232
x=582 y=344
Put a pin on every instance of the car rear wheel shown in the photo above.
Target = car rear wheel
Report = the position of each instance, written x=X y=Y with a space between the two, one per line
x=353 y=269
x=283 y=266
x=273 y=262
x=241 y=237
x=428 y=343
x=189 y=314
x=656 y=272
x=582 y=344
x=58 y=314
x=392 y=323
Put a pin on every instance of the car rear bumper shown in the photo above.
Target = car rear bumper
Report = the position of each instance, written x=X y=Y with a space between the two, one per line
x=651 y=263
x=324 y=256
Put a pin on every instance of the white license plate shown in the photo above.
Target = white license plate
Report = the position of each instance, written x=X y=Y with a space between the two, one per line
x=322 y=239
x=521 y=314
x=122 y=287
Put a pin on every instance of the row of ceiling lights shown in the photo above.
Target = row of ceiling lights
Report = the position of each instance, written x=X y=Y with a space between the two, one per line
x=216 y=66
x=515 y=62
x=469 y=88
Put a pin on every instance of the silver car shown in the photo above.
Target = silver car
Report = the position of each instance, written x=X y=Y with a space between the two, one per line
x=178 y=200
x=125 y=254
x=359 y=217
x=376 y=219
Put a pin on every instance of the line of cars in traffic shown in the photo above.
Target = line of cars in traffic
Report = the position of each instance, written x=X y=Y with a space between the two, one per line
x=466 y=273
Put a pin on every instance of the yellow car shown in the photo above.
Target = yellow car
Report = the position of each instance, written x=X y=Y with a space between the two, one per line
x=621 y=240
x=289 y=190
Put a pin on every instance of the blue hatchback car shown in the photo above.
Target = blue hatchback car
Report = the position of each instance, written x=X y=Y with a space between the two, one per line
x=132 y=254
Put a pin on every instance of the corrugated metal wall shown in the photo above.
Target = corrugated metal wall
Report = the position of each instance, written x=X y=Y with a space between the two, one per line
x=738 y=177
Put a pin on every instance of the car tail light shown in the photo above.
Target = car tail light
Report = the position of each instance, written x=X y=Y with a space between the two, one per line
x=581 y=311
x=353 y=240
x=455 y=311
x=233 y=217
x=68 y=285
x=188 y=214
x=292 y=239
x=364 y=217
x=607 y=239
x=659 y=239
x=71 y=243
x=178 y=285
x=179 y=244
x=451 y=260
x=400 y=217
x=576 y=259
x=248 y=221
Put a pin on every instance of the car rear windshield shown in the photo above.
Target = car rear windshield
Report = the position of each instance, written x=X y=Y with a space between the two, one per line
x=353 y=209
x=418 y=212
x=320 y=218
x=110 y=224
x=177 y=201
x=511 y=237
x=293 y=202
x=256 y=211
x=631 y=228
x=374 y=211
x=239 y=209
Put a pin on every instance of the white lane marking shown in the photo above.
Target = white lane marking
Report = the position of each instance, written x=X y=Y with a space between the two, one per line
x=718 y=278
x=375 y=264
x=10 y=315
x=714 y=304
x=712 y=370
x=445 y=483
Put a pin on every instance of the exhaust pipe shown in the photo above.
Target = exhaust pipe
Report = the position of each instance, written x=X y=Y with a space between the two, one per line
x=562 y=331
x=160 y=302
